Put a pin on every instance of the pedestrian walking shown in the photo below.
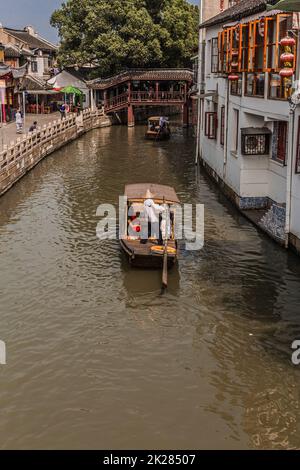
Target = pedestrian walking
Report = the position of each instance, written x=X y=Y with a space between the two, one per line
x=19 y=122
x=62 y=111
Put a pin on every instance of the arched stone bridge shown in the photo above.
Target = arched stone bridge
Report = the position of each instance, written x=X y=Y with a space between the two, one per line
x=151 y=87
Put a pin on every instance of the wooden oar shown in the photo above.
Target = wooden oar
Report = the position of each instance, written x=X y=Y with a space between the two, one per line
x=165 y=261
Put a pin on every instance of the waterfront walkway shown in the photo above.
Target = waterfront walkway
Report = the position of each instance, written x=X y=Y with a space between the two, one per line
x=8 y=132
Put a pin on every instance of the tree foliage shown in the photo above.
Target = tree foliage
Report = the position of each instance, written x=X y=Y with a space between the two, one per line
x=115 y=34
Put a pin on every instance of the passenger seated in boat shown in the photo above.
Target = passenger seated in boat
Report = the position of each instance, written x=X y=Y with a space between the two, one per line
x=134 y=227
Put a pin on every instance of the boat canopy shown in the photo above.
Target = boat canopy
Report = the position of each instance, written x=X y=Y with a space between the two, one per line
x=154 y=118
x=141 y=191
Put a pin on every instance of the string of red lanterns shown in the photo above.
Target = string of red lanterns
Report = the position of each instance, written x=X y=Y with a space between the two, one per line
x=287 y=58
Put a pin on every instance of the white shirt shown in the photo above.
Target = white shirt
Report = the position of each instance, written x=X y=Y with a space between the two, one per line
x=152 y=210
x=19 y=118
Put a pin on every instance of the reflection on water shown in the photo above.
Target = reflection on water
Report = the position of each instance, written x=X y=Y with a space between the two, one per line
x=97 y=357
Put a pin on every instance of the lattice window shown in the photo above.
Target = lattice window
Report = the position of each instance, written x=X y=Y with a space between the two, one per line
x=255 y=143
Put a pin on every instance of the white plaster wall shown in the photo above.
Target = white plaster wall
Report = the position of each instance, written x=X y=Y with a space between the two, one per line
x=40 y=64
x=256 y=176
x=295 y=200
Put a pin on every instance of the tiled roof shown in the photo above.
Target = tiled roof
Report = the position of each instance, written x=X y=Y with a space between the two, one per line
x=147 y=75
x=243 y=9
x=6 y=70
x=33 y=83
x=12 y=51
x=34 y=42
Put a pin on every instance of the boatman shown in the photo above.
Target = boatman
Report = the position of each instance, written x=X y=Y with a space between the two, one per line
x=152 y=213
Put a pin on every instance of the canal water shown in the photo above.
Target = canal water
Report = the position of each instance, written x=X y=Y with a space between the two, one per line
x=97 y=357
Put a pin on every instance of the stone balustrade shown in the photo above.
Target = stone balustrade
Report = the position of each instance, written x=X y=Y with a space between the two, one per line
x=21 y=156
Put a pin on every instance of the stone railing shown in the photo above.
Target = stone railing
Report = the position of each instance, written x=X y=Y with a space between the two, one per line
x=20 y=156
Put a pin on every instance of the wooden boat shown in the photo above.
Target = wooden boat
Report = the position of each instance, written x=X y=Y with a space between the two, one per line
x=155 y=131
x=149 y=254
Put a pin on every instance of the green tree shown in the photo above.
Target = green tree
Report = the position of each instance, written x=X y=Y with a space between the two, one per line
x=114 y=34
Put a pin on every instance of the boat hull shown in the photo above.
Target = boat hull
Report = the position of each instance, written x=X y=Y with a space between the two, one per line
x=147 y=260
x=157 y=137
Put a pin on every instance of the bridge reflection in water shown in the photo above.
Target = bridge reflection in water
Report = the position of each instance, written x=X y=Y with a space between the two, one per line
x=136 y=88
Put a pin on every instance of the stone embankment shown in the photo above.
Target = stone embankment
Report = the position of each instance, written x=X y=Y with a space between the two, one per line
x=21 y=156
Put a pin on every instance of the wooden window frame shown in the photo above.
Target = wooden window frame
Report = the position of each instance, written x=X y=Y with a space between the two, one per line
x=248 y=46
x=211 y=125
x=214 y=58
x=270 y=45
x=278 y=39
x=254 y=94
x=237 y=123
x=222 y=126
x=283 y=160
x=244 y=47
x=236 y=83
x=281 y=98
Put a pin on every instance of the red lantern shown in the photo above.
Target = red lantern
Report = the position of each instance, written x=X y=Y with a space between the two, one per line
x=234 y=65
x=286 y=73
x=288 y=42
x=233 y=77
x=287 y=57
x=235 y=53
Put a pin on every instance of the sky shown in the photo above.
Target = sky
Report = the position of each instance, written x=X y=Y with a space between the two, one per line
x=20 y=13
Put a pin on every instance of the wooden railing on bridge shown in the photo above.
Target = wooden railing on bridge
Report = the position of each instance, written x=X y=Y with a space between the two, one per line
x=144 y=98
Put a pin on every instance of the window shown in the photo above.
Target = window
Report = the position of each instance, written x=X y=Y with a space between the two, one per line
x=279 y=88
x=235 y=131
x=255 y=141
x=223 y=51
x=255 y=84
x=234 y=42
x=270 y=46
x=284 y=24
x=279 y=142
x=211 y=125
x=214 y=56
x=258 y=57
x=244 y=48
x=298 y=150
x=222 y=130
x=236 y=86
x=34 y=67
x=254 y=47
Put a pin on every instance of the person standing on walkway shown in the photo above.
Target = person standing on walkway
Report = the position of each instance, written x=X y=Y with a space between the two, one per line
x=62 y=111
x=19 y=122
